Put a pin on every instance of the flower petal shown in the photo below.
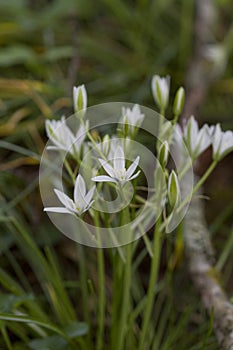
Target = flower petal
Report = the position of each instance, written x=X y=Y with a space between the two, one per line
x=79 y=188
x=119 y=159
x=64 y=199
x=132 y=168
x=134 y=176
x=58 y=210
x=103 y=178
x=108 y=168
x=89 y=195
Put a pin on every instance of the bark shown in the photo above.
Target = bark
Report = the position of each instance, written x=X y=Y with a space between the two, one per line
x=206 y=279
x=198 y=246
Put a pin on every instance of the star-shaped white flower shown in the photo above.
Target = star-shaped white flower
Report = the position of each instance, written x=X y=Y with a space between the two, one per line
x=197 y=140
x=63 y=138
x=82 y=199
x=132 y=118
x=222 y=142
x=117 y=172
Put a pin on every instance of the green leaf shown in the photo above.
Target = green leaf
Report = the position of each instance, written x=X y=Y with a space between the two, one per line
x=54 y=342
x=9 y=301
x=25 y=319
x=76 y=329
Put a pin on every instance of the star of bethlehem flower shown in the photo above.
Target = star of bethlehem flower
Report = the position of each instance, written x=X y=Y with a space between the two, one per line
x=80 y=99
x=63 y=138
x=82 y=199
x=160 y=90
x=117 y=172
x=222 y=142
x=131 y=118
x=197 y=140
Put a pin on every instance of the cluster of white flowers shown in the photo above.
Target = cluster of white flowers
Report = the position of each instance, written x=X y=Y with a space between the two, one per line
x=110 y=151
x=197 y=139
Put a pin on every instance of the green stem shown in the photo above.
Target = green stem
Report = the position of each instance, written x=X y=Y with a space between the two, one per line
x=116 y=296
x=125 y=298
x=84 y=287
x=70 y=172
x=6 y=337
x=152 y=282
x=101 y=279
x=126 y=280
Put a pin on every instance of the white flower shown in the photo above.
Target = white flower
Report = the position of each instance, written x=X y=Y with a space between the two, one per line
x=118 y=173
x=196 y=140
x=222 y=142
x=160 y=89
x=131 y=118
x=80 y=98
x=81 y=203
x=63 y=138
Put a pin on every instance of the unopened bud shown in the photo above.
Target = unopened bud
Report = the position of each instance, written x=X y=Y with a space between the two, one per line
x=80 y=99
x=179 y=101
x=163 y=154
x=173 y=189
x=160 y=89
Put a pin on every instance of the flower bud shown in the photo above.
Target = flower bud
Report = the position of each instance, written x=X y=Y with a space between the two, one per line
x=179 y=101
x=173 y=189
x=160 y=89
x=80 y=99
x=163 y=154
x=106 y=145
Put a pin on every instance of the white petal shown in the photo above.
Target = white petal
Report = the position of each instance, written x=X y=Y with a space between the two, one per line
x=205 y=139
x=89 y=195
x=108 y=168
x=53 y=148
x=103 y=178
x=58 y=210
x=80 y=192
x=64 y=199
x=154 y=83
x=119 y=159
x=217 y=139
x=134 y=176
x=193 y=133
x=132 y=167
x=51 y=132
x=226 y=144
x=79 y=188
